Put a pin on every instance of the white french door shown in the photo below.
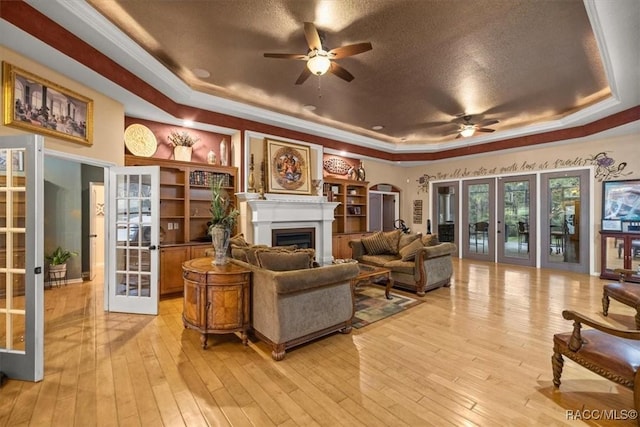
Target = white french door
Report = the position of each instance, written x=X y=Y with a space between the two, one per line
x=21 y=257
x=134 y=208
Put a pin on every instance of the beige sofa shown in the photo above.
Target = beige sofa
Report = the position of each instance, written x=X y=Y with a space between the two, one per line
x=292 y=307
x=419 y=263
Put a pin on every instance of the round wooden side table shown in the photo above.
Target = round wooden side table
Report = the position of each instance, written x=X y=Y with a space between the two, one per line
x=216 y=298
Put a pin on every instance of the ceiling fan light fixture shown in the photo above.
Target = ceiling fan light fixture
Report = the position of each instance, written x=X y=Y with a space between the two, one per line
x=319 y=62
x=467 y=130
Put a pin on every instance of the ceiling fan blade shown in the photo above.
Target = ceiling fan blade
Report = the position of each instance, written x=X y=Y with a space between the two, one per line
x=312 y=36
x=350 y=50
x=340 y=72
x=459 y=135
x=303 y=76
x=286 y=56
x=485 y=130
x=489 y=122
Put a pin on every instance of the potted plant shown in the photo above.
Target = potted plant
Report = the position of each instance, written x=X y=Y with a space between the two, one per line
x=182 y=143
x=58 y=262
x=223 y=219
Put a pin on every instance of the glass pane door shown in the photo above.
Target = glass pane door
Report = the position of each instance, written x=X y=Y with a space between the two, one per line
x=21 y=258
x=478 y=217
x=134 y=207
x=445 y=203
x=564 y=232
x=516 y=220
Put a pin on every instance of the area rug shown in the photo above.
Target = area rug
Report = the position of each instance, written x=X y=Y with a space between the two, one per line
x=371 y=305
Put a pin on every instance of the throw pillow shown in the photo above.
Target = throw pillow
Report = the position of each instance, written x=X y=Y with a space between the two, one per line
x=250 y=252
x=283 y=260
x=239 y=254
x=377 y=244
x=285 y=248
x=405 y=239
x=430 y=240
x=394 y=240
x=408 y=253
x=238 y=240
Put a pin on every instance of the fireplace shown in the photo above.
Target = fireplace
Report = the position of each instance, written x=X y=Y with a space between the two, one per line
x=286 y=213
x=301 y=237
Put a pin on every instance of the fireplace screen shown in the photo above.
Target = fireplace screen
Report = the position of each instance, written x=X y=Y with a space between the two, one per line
x=301 y=237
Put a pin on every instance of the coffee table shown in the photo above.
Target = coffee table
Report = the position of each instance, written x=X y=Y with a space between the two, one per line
x=368 y=273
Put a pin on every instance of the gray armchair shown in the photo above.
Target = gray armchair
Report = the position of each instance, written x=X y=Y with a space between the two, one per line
x=292 y=307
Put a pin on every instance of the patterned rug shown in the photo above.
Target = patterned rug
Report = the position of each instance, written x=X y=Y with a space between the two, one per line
x=371 y=305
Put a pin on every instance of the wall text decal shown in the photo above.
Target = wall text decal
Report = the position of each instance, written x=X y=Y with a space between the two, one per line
x=606 y=169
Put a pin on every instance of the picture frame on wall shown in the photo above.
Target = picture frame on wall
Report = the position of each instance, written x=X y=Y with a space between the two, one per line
x=288 y=168
x=37 y=105
x=417 y=211
x=621 y=201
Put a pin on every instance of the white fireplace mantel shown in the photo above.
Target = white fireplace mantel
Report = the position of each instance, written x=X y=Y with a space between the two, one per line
x=263 y=216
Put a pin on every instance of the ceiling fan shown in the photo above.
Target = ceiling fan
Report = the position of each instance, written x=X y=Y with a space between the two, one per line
x=319 y=59
x=467 y=128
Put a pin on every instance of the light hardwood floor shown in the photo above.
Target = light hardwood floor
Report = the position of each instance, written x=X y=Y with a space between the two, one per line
x=477 y=353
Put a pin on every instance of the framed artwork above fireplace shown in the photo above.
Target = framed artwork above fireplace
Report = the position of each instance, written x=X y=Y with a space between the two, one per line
x=288 y=167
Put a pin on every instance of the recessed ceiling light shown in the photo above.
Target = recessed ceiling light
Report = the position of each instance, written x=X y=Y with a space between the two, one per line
x=201 y=73
x=310 y=107
x=377 y=127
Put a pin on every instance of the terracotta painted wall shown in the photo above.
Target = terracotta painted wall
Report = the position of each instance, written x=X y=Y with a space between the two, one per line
x=108 y=143
x=206 y=141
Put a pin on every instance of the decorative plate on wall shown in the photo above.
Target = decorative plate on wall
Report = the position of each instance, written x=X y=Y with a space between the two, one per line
x=140 y=140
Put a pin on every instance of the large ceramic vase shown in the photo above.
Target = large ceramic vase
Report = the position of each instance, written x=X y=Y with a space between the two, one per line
x=220 y=238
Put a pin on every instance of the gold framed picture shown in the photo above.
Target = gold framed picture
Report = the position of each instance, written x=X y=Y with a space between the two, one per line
x=287 y=167
x=37 y=105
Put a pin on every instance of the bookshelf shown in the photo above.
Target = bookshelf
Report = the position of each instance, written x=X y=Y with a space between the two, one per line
x=185 y=198
x=351 y=215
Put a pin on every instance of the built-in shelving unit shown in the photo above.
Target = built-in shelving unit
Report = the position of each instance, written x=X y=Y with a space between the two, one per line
x=185 y=199
x=351 y=215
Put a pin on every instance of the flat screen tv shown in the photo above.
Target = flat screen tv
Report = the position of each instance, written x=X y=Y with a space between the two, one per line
x=620 y=203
